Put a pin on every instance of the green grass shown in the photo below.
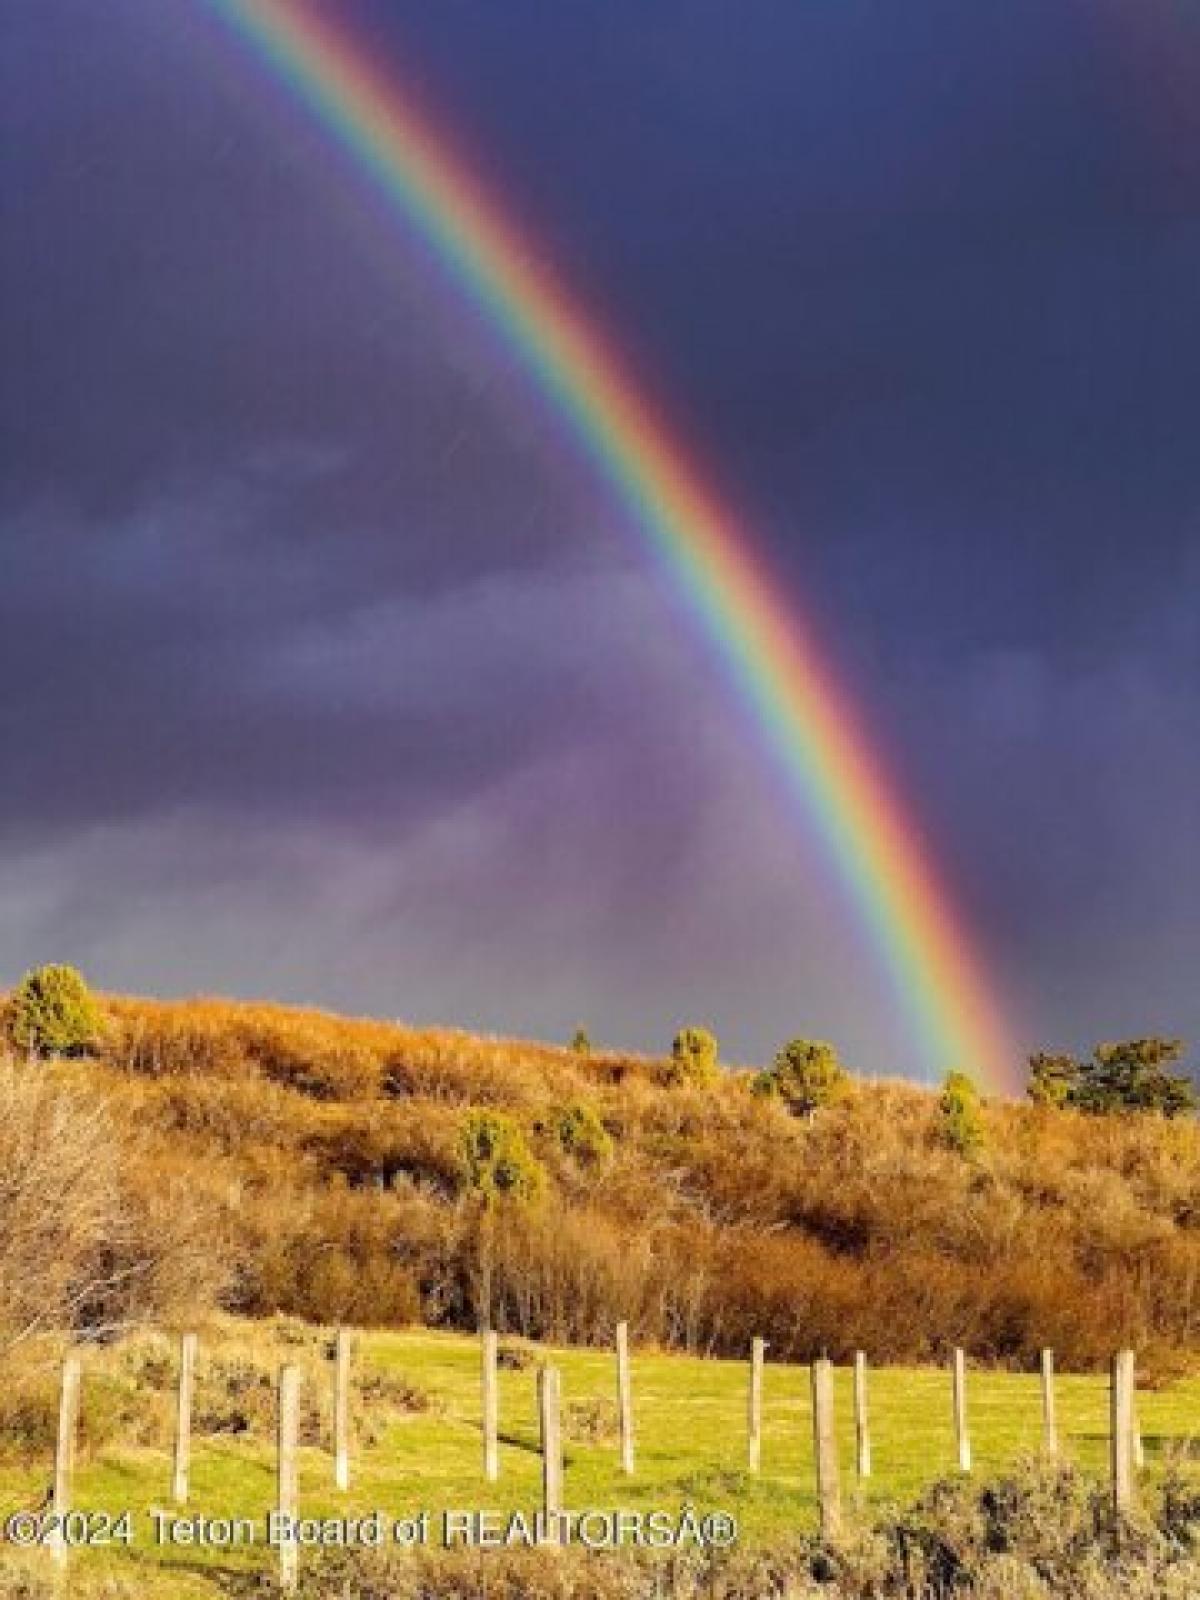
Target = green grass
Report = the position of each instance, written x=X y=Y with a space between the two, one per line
x=691 y=1445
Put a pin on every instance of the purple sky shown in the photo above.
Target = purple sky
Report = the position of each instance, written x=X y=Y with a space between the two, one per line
x=329 y=672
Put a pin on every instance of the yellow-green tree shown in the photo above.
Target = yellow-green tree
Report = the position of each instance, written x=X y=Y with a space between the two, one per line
x=961 y=1115
x=1053 y=1078
x=694 y=1053
x=806 y=1075
x=52 y=1013
x=581 y=1134
x=497 y=1162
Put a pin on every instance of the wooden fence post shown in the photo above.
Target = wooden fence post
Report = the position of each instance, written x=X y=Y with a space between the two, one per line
x=491 y=1407
x=64 y=1455
x=341 y=1408
x=625 y=1397
x=962 y=1437
x=549 y=1396
x=1049 y=1410
x=1121 y=1433
x=862 y=1418
x=183 y=1418
x=829 y=1495
x=757 y=1347
x=287 y=1475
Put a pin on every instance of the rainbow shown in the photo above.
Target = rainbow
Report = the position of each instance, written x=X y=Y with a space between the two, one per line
x=766 y=649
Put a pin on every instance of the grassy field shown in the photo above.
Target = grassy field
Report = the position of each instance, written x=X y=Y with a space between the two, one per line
x=690 y=1423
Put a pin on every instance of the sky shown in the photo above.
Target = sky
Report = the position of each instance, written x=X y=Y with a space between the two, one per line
x=331 y=673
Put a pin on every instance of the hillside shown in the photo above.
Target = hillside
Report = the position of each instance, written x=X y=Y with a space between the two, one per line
x=272 y=1160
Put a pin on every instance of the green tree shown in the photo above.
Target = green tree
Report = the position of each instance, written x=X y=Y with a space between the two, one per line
x=499 y=1169
x=581 y=1042
x=806 y=1075
x=693 y=1060
x=961 y=1115
x=1053 y=1078
x=52 y=1013
x=496 y=1160
x=581 y=1134
x=1133 y=1075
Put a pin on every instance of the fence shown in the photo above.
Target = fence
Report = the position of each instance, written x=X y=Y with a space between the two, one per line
x=1125 y=1455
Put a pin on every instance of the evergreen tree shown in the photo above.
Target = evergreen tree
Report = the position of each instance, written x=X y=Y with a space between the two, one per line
x=497 y=1162
x=1132 y=1075
x=1053 y=1078
x=52 y=1013
x=693 y=1060
x=961 y=1115
x=805 y=1075
x=582 y=1134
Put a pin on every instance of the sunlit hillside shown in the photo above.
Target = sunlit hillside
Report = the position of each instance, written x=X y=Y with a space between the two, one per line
x=265 y=1160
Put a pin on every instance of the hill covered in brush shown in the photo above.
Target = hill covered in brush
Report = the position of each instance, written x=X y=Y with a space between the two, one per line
x=271 y=1159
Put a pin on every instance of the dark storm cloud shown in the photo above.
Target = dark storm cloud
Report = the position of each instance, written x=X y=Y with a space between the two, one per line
x=955 y=252
x=187 y=292
x=235 y=411
x=313 y=626
x=175 y=663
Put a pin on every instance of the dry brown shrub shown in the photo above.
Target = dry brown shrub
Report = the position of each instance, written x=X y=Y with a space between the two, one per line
x=94 y=1232
x=60 y=1202
x=594 y=1420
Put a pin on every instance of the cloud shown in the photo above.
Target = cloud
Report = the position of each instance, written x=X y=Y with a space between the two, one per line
x=328 y=668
